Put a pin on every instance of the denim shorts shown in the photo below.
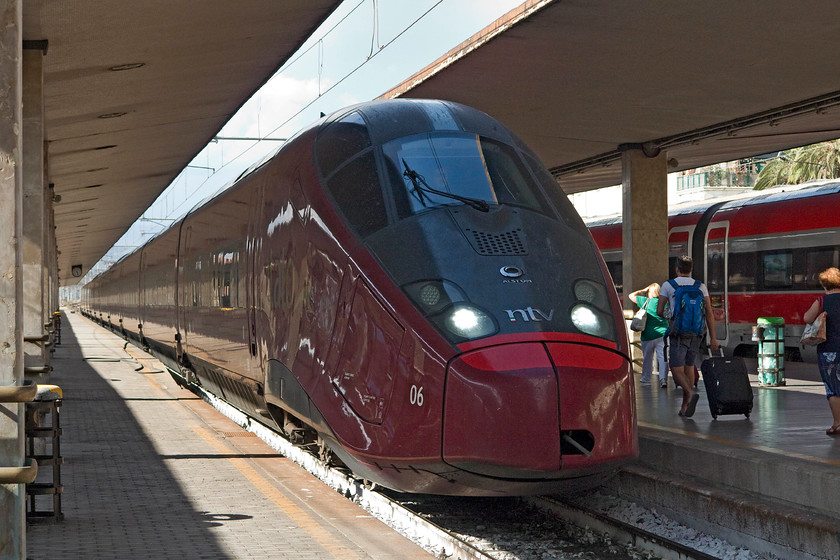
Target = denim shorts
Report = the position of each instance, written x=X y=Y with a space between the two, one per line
x=829 y=363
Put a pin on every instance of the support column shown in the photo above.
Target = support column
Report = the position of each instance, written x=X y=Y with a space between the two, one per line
x=34 y=211
x=12 y=496
x=644 y=182
x=51 y=302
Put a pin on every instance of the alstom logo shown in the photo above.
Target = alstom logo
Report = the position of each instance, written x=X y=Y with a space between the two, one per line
x=528 y=314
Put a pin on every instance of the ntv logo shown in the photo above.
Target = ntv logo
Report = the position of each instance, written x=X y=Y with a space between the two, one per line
x=528 y=314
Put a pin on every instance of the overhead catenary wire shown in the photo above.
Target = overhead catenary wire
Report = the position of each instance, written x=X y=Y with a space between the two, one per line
x=178 y=208
x=320 y=93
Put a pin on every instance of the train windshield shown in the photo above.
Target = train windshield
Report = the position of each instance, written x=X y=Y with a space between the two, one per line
x=432 y=170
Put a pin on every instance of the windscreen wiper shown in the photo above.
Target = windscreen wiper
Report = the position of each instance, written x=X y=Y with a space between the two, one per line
x=421 y=186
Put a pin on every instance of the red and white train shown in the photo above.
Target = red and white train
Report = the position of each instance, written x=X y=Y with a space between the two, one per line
x=404 y=286
x=759 y=255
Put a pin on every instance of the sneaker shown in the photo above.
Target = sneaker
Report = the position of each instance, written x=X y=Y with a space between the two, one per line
x=643 y=382
x=664 y=383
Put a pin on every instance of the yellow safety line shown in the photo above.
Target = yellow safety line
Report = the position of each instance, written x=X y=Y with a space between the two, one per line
x=153 y=382
x=730 y=442
x=303 y=520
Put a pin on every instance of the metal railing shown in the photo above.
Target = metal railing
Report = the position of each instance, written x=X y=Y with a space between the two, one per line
x=23 y=474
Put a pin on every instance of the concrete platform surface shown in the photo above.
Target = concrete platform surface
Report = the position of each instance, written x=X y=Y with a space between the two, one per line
x=152 y=472
x=770 y=482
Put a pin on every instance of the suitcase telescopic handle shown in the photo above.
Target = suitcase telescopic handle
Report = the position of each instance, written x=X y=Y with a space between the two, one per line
x=709 y=350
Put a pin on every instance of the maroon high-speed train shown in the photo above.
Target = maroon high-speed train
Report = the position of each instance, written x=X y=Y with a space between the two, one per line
x=405 y=286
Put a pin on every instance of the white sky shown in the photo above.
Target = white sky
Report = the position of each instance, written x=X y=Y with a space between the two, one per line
x=364 y=49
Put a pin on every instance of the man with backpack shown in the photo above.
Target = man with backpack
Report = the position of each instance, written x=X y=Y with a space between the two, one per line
x=690 y=314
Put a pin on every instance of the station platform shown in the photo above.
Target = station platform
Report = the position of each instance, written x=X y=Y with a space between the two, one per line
x=770 y=482
x=152 y=471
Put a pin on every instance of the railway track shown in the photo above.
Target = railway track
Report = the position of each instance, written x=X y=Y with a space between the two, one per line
x=649 y=541
x=539 y=528
x=453 y=528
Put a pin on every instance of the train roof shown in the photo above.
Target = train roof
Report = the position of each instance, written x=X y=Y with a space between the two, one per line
x=388 y=119
x=392 y=118
x=786 y=192
x=774 y=194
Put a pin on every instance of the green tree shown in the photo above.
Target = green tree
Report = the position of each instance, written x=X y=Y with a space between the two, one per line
x=817 y=161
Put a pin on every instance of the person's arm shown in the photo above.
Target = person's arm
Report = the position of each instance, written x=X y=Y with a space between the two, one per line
x=632 y=297
x=813 y=312
x=710 y=322
x=660 y=304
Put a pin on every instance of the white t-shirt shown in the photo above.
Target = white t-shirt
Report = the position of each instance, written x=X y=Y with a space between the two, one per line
x=667 y=291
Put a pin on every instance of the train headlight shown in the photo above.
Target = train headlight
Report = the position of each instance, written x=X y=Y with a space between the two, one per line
x=591 y=292
x=467 y=322
x=432 y=296
x=591 y=321
x=447 y=307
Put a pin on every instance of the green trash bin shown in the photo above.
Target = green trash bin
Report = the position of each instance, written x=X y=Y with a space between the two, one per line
x=770 y=334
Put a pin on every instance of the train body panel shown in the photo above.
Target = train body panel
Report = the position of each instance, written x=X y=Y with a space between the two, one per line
x=157 y=306
x=403 y=279
x=760 y=256
x=117 y=301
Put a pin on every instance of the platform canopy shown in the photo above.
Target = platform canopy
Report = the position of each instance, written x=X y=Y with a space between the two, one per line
x=707 y=81
x=134 y=90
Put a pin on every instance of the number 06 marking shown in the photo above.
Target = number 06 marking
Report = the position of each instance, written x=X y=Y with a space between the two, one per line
x=415 y=395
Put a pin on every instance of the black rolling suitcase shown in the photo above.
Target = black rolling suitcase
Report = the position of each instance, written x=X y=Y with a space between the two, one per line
x=727 y=385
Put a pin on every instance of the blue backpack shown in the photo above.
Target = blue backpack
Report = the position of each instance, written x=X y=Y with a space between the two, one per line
x=689 y=312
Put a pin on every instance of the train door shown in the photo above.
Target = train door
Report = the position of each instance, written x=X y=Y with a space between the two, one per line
x=716 y=276
x=369 y=357
x=141 y=296
x=252 y=247
x=186 y=297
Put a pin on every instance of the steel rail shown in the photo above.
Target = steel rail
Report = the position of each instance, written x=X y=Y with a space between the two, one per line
x=659 y=546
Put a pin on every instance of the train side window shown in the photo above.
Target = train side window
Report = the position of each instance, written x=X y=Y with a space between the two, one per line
x=742 y=272
x=677 y=245
x=357 y=192
x=715 y=280
x=511 y=180
x=340 y=141
x=817 y=260
x=778 y=270
x=552 y=189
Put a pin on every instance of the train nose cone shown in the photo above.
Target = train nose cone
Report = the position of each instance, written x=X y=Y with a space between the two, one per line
x=597 y=405
x=526 y=410
x=501 y=415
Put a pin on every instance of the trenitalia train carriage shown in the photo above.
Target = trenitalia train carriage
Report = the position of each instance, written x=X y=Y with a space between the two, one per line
x=759 y=255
